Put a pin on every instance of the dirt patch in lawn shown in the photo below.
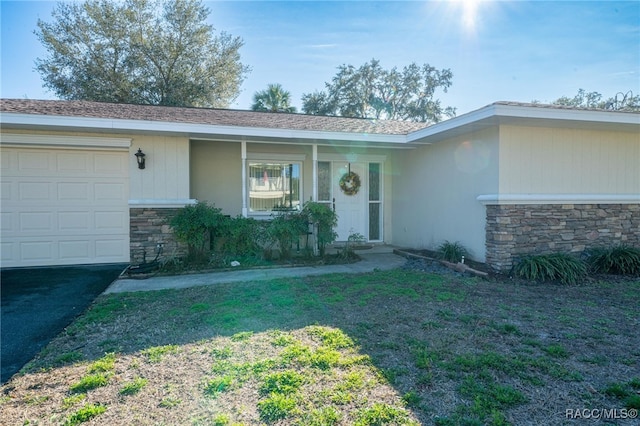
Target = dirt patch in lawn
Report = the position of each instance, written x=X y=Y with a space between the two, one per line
x=391 y=347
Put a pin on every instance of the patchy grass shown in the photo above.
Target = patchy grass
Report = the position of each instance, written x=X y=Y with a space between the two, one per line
x=394 y=347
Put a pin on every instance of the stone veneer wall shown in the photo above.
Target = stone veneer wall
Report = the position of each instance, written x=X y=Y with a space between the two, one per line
x=150 y=227
x=521 y=229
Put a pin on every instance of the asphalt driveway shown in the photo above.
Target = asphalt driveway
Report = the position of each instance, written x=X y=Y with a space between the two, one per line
x=38 y=303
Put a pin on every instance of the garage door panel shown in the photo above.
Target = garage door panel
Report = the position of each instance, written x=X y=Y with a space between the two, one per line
x=6 y=191
x=69 y=191
x=6 y=221
x=111 y=248
x=111 y=164
x=110 y=220
x=64 y=207
x=73 y=163
x=74 y=221
x=37 y=251
x=34 y=161
x=34 y=191
x=35 y=221
x=106 y=191
x=78 y=250
x=8 y=252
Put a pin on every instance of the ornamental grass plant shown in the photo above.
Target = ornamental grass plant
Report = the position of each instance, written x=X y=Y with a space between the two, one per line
x=559 y=267
x=619 y=260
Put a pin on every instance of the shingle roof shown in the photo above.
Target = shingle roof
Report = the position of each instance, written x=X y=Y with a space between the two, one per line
x=219 y=117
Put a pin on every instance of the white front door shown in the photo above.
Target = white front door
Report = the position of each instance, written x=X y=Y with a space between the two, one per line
x=350 y=207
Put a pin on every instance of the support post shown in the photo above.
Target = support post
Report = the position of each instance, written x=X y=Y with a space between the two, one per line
x=245 y=210
x=314 y=157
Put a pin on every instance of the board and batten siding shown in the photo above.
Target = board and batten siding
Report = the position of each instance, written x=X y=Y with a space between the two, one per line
x=539 y=160
x=166 y=176
x=435 y=189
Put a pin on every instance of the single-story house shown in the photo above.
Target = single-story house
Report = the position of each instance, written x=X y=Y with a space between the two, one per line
x=504 y=180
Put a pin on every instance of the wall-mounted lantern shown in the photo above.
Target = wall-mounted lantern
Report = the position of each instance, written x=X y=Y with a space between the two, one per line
x=140 y=158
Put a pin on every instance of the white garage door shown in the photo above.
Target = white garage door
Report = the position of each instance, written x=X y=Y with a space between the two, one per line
x=64 y=206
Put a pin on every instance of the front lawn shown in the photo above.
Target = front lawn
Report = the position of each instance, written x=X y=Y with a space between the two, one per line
x=393 y=347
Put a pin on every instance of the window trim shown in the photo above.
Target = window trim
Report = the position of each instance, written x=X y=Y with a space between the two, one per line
x=380 y=201
x=283 y=159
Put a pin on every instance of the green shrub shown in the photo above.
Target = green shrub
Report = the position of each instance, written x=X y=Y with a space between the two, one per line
x=621 y=260
x=325 y=219
x=285 y=228
x=194 y=225
x=241 y=236
x=452 y=252
x=560 y=267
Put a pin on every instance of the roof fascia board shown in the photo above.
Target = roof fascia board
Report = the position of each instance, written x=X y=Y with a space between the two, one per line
x=173 y=127
x=566 y=114
x=321 y=142
x=453 y=123
x=525 y=112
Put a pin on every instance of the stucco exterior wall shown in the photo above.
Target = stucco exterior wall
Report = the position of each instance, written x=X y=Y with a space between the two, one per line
x=435 y=189
x=539 y=160
x=216 y=175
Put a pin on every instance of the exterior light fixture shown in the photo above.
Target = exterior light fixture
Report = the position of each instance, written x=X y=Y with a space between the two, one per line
x=140 y=158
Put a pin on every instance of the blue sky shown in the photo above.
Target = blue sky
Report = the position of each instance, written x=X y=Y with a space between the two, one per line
x=497 y=50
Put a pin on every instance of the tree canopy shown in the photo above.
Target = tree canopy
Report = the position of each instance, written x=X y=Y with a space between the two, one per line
x=373 y=92
x=583 y=99
x=273 y=99
x=159 y=52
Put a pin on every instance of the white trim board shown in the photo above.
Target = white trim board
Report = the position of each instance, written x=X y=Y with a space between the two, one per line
x=49 y=141
x=353 y=157
x=274 y=156
x=506 y=199
x=160 y=203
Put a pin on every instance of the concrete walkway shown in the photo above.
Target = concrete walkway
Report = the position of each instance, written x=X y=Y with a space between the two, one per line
x=381 y=258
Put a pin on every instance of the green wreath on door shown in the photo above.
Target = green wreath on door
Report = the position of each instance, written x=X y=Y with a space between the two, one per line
x=350 y=183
